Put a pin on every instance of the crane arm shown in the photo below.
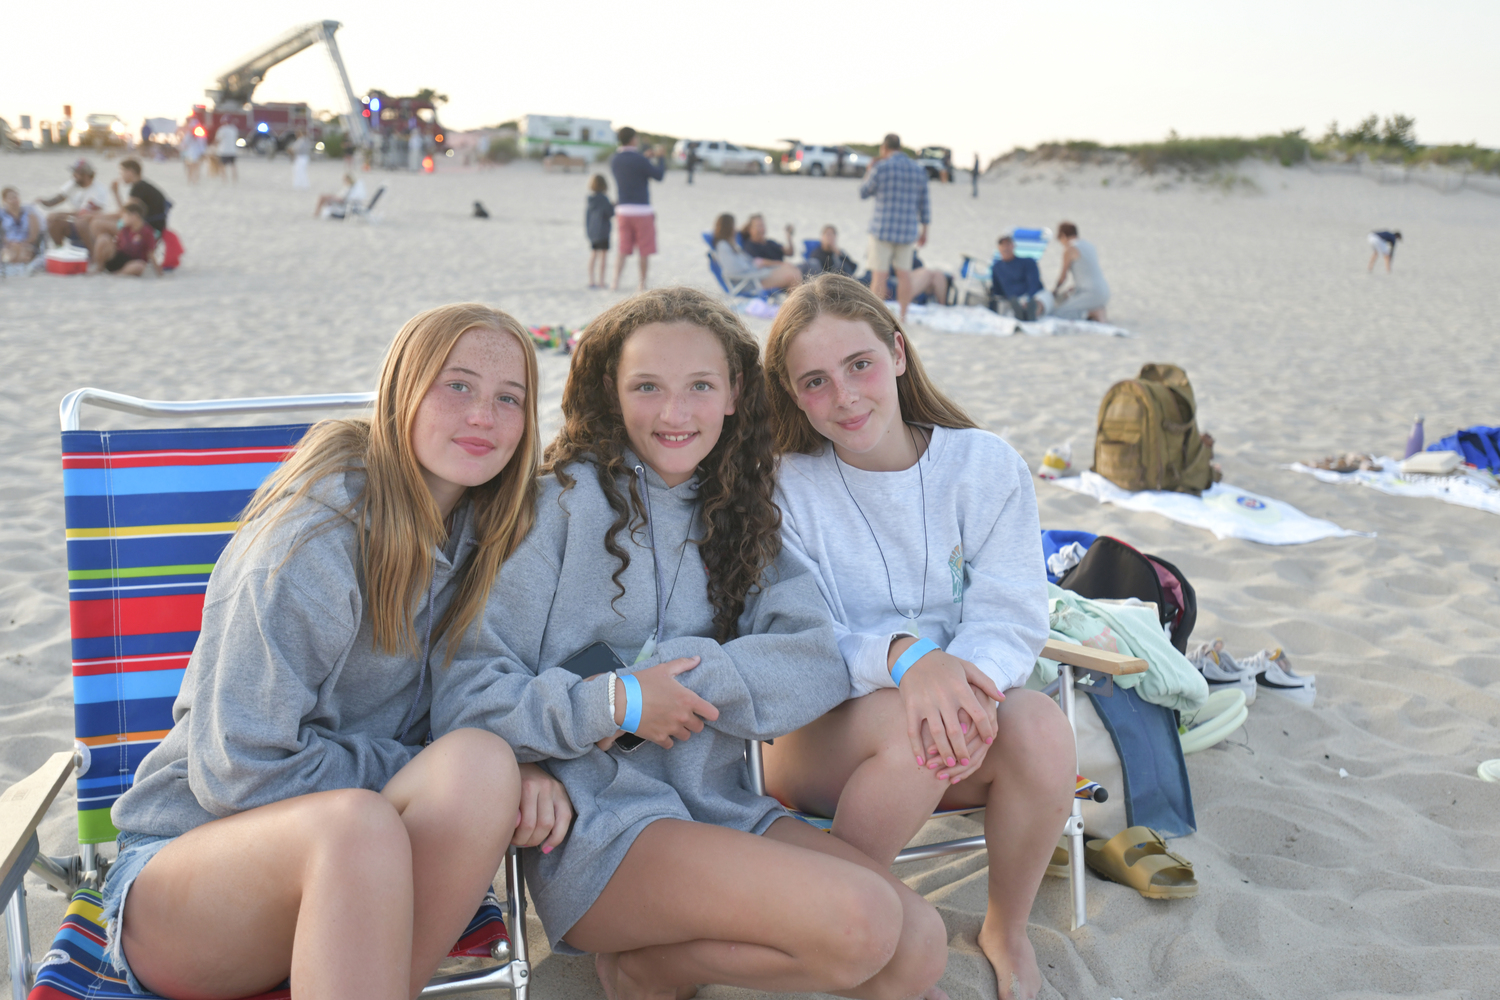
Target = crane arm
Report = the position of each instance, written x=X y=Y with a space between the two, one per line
x=236 y=86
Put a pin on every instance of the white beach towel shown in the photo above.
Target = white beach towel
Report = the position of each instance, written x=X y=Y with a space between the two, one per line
x=979 y=320
x=1458 y=490
x=1227 y=511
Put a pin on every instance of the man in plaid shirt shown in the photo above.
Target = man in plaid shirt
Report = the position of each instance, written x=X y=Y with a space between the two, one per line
x=902 y=213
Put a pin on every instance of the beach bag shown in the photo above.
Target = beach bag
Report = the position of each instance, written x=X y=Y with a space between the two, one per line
x=1480 y=447
x=171 y=253
x=1113 y=570
x=1147 y=436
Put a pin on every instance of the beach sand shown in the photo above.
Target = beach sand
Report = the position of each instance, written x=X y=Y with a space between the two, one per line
x=1382 y=883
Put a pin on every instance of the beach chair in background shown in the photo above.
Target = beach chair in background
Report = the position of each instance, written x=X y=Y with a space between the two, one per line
x=148 y=512
x=744 y=288
x=355 y=209
x=974 y=274
x=1096 y=670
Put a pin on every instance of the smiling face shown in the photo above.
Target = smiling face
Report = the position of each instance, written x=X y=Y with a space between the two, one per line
x=844 y=380
x=473 y=415
x=674 y=391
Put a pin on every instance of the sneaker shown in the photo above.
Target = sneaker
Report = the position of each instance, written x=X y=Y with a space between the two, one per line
x=1221 y=670
x=1275 y=673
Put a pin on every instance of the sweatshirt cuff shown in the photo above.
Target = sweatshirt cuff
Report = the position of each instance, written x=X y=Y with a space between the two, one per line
x=1004 y=679
x=866 y=656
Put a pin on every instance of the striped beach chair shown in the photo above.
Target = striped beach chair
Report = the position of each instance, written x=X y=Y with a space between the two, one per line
x=148 y=513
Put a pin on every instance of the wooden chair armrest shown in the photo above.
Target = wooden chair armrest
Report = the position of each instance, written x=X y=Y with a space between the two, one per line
x=1090 y=658
x=23 y=804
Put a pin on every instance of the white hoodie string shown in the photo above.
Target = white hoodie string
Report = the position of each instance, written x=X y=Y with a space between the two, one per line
x=649 y=649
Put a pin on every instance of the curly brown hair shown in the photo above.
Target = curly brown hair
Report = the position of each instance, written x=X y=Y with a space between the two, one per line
x=736 y=481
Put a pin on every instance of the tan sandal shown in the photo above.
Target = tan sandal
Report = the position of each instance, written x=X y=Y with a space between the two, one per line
x=1058 y=866
x=1138 y=857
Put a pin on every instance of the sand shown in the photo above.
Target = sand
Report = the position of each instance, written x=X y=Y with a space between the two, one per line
x=1385 y=882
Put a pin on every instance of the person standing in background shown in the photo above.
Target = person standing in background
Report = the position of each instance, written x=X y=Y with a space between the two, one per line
x=193 y=147
x=634 y=172
x=227 y=143
x=692 y=160
x=902 y=214
x=301 y=150
x=596 y=223
x=974 y=176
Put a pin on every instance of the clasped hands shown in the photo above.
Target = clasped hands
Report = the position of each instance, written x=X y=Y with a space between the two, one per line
x=950 y=712
x=668 y=710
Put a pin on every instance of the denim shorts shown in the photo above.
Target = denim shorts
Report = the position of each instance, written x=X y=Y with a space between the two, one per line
x=136 y=850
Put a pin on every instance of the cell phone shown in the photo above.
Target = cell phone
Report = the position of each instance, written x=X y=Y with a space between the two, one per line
x=592 y=660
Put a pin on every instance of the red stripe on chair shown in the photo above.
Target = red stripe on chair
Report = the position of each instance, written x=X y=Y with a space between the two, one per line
x=114 y=665
x=141 y=459
x=136 y=616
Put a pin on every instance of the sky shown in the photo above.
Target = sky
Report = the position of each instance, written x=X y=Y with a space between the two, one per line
x=977 y=77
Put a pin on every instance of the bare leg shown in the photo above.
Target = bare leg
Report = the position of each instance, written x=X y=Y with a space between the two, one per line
x=1374 y=254
x=352 y=893
x=57 y=227
x=645 y=263
x=877 y=283
x=135 y=268
x=857 y=758
x=619 y=267
x=780 y=918
x=903 y=291
x=104 y=249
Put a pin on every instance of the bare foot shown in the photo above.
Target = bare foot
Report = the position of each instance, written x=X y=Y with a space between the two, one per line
x=1017 y=976
x=618 y=986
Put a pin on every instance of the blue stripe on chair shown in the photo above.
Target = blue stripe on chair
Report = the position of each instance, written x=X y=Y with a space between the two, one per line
x=129 y=552
x=118 y=761
x=184 y=437
x=134 y=645
x=145 y=715
x=117 y=782
x=166 y=479
x=102 y=590
x=149 y=509
x=127 y=685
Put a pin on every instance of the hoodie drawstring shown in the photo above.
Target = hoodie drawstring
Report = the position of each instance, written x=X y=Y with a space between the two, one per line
x=649 y=649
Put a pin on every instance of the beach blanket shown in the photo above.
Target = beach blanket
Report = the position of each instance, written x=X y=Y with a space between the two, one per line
x=979 y=320
x=1227 y=511
x=1460 y=490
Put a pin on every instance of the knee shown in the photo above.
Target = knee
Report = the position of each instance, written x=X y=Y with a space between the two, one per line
x=1033 y=729
x=476 y=764
x=351 y=822
x=921 y=958
x=864 y=930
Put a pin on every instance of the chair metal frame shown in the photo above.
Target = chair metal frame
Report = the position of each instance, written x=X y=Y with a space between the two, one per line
x=24 y=804
x=745 y=288
x=1098 y=667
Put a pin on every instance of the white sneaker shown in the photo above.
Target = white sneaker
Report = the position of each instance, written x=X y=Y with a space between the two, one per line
x=1221 y=670
x=1274 y=672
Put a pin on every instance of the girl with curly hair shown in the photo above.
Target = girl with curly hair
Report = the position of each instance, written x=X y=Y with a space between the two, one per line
x=657 y=534
x=297 y=779
x=922 y=531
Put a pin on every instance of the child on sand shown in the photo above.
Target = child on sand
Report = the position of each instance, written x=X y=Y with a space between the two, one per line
x=128 y=249
x=1383 y=244
x=656 y=534
x=298 y=779
x=596 y=222
x=922 y=532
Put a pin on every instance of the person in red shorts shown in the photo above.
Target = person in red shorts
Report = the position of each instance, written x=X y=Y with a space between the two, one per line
x=634 y=216
x=128 y=249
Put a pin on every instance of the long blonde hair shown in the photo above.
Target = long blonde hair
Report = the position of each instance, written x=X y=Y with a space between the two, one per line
x=741 y=536
x=401 y=523
x=922 y=402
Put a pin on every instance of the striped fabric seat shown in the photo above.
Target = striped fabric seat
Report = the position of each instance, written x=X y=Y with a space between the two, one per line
x=77 y=969
x=148 y=513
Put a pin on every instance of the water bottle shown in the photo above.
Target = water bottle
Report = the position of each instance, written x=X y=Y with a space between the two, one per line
x=1414 y=439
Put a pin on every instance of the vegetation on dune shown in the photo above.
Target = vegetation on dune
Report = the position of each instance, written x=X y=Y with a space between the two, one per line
x=1393 y=140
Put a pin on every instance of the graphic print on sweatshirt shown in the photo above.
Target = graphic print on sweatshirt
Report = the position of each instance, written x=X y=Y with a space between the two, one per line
x=956 y=567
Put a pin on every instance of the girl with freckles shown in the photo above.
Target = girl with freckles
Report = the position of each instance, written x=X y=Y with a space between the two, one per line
x=921 y=531
x=657 y=534
x=297 y=780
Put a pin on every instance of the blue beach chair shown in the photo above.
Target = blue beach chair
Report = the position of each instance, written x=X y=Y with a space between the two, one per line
x=1096 y=670
x=744 y=288
x=148 y=513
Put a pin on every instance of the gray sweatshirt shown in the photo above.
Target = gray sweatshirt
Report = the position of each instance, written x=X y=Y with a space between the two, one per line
x=285 y=693
x=553 y=598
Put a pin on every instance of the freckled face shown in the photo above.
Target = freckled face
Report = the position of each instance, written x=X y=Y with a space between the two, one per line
x=473 y=415
x=674 y=392
x=844 y=379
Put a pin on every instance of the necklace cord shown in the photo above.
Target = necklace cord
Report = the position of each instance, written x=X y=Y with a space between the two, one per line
x=926 y=551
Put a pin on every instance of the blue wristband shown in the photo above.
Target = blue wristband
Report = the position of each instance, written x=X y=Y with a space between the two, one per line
x=908 y=659
x=632 y=703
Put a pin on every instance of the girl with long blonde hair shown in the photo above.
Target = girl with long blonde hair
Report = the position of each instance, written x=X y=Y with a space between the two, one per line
x=657 y=546
x=922 y=533
x=295 y=782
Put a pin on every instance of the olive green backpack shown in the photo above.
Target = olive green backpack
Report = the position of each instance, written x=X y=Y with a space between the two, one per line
x=1148 y=436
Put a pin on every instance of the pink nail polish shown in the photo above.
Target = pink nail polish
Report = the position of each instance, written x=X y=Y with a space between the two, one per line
x=951 y=762
x=920 y=760
x=964 y=726
x=965 y=762
x=942 y=777
x=989 y=739
x=547 y=849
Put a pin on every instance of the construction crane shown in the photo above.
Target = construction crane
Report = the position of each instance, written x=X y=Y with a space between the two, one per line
x=236 y=86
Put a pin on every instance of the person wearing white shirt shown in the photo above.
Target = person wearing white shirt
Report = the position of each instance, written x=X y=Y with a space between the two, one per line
x=922 y=532
x=227 y=145
x=84 y=197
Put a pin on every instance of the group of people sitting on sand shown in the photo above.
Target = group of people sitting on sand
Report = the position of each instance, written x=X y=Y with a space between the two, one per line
x=749 y=253
x=1017 y=281
x=119 y=241
x=414 y=654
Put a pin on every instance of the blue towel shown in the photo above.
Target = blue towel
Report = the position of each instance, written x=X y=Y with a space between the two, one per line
x=1480 y=446
x=1157 y=791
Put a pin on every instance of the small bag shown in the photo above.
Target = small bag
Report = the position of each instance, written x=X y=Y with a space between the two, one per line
x=1112 y=570
x=1147 y=436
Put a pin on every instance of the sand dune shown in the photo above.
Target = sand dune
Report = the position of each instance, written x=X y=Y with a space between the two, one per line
x=1382 y=883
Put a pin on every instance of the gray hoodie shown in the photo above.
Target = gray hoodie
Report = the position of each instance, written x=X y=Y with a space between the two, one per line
x=285 y=693
x=553 y=597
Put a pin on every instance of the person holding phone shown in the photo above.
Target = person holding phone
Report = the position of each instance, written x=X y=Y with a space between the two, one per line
x=651 y=598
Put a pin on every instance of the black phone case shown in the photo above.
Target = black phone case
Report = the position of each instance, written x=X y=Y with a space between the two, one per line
x=599 y=658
